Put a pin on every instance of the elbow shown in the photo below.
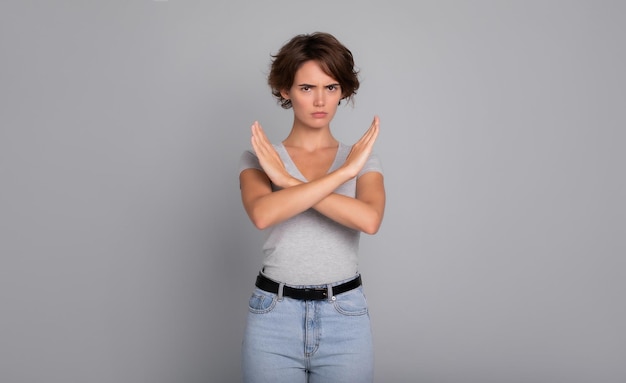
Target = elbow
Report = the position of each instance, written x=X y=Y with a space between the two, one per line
x=261 y=226
x=371 y=230
x=372 y=226
x=260 y=223
x=260 y=220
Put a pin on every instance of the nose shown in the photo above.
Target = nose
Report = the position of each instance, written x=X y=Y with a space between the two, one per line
x=320 y=98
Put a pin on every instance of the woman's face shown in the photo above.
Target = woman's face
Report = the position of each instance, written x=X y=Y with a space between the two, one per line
x=314 y=96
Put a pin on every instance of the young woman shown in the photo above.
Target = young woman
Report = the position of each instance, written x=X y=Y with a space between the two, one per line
x=312 y=195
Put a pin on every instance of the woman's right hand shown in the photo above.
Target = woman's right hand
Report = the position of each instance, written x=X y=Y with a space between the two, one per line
x=268 y=158
x=362 y=149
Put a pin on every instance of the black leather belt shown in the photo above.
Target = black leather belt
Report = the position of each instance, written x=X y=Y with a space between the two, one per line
x=306 y=294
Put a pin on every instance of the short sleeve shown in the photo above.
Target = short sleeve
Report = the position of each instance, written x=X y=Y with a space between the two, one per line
x=373 y=164
x=249 y=160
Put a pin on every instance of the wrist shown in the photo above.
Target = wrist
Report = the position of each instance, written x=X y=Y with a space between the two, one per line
x=289 y=182
x=346 y=173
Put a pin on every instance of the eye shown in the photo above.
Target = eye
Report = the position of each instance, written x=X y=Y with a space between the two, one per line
x=332 y=87
x=305 y=88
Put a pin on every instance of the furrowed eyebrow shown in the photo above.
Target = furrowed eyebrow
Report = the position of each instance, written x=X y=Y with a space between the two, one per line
x=313 y=86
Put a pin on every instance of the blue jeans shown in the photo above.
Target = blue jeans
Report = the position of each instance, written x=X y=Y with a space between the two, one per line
x=296 y=341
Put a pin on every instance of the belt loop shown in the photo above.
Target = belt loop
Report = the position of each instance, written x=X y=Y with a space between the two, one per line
x=280 y=291
x=330 y=295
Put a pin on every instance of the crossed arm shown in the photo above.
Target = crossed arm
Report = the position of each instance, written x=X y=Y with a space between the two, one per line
x=266 y=208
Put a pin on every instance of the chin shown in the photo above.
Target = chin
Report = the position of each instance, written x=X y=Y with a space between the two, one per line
x=315 y=123
x=320 y=123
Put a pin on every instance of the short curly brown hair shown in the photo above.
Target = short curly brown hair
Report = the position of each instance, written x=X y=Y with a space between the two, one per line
x=333 y=57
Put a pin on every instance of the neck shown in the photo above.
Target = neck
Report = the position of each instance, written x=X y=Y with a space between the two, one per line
x=310 y=139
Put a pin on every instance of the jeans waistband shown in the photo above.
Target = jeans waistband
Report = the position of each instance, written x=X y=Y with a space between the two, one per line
x=307 y=294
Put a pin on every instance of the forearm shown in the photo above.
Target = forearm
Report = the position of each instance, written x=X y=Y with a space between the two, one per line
x=350 y=212
x=294 y=198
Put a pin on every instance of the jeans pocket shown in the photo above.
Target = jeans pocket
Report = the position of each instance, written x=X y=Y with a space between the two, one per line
x=261 y=302
x=351 y=303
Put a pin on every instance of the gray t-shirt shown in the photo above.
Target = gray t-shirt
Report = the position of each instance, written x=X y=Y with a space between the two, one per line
x=310 y=248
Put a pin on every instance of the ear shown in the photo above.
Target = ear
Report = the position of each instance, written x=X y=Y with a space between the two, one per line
x=285 y=94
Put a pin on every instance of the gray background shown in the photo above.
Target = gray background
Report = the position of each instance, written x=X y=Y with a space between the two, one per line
x=126 y=255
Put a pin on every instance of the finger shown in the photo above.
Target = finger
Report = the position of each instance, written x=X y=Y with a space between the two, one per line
x=372 y=132
x=375 y=122
x=260 y=133
x=257 y=131
x=258 y=141
x=259 y=136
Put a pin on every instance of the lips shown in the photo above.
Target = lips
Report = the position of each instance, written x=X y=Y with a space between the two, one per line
x=319 y=114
